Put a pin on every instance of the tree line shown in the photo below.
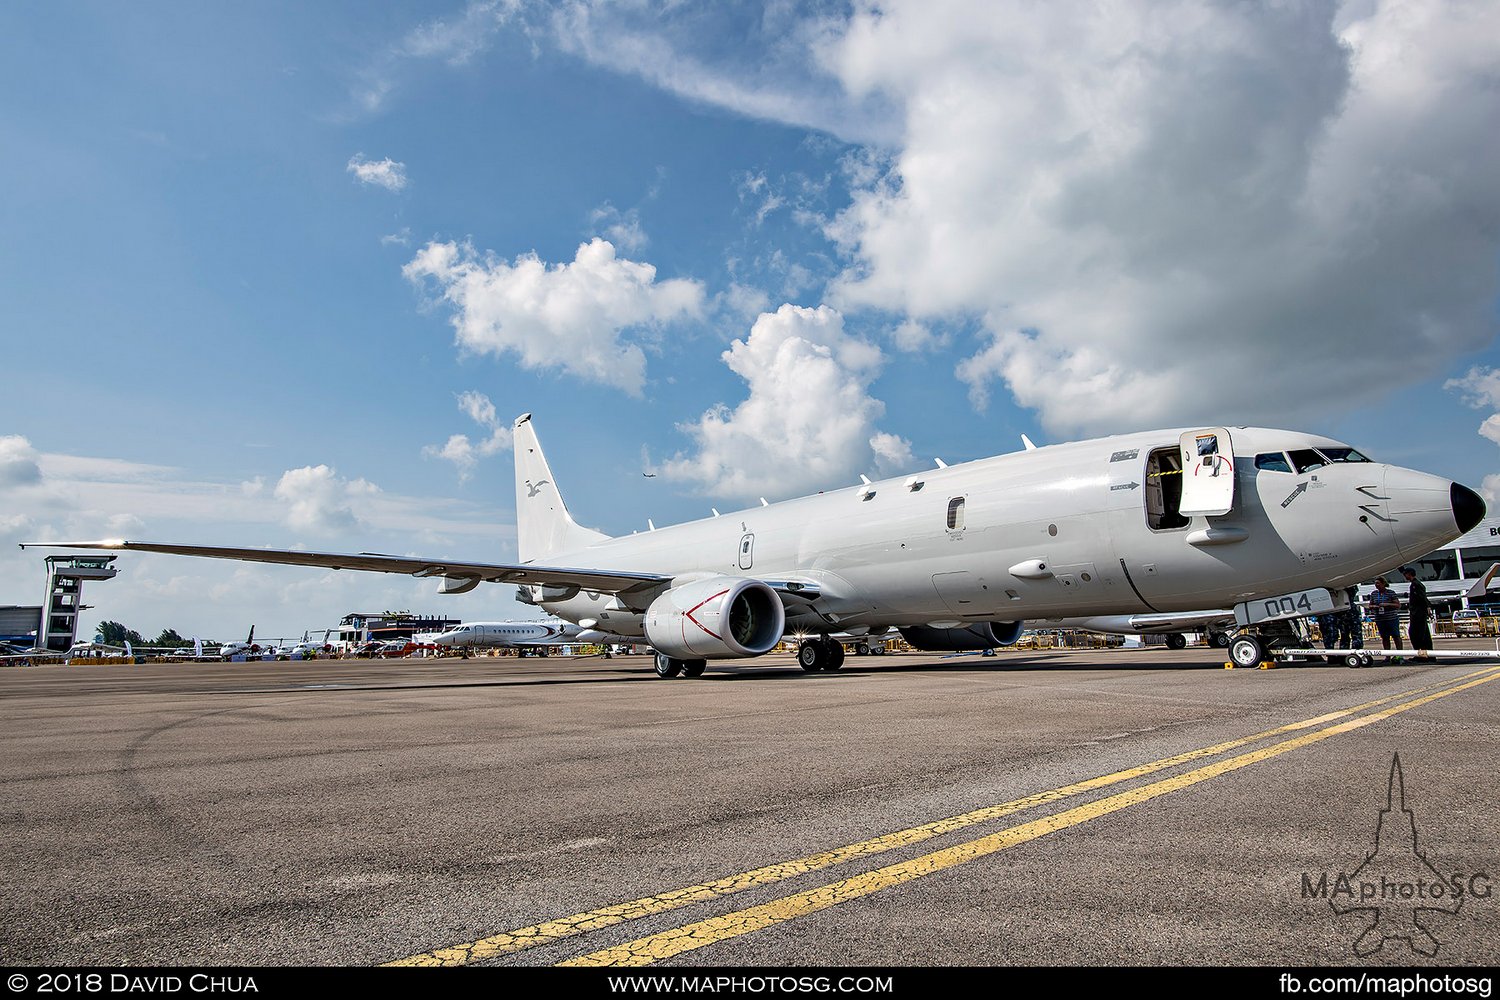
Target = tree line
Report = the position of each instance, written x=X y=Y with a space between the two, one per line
x=115 y=634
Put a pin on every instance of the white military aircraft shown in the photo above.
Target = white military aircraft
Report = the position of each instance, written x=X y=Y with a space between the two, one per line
x=1270 y=523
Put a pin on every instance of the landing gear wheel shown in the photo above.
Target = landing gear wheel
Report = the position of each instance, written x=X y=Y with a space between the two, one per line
x=862 y=649
x=693 y=668
x=812 y=655
x=1176 y=640
x=835 y=656
x=1246 y=651
x=666 y=667
x=1219 y=640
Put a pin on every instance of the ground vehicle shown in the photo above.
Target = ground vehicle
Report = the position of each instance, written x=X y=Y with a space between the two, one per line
x=1468 y=621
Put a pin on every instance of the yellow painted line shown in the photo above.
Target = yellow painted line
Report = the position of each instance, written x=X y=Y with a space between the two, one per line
x=655 y=947
x=562 y=927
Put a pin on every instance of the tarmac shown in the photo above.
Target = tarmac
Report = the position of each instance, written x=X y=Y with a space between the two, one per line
x=1083 y=807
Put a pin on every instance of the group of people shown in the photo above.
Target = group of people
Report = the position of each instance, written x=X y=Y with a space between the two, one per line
x=1344 y=629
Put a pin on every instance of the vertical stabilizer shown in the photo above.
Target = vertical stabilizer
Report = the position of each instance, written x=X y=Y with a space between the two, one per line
x=543 y=525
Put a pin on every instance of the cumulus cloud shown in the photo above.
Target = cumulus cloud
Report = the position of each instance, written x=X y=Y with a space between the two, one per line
x=808 y=421
x=1480 y=388
x=18 y=462
x=386 y=173
x=318 y=499
x=465 y=453
x=570 y=317
x=1166 y=209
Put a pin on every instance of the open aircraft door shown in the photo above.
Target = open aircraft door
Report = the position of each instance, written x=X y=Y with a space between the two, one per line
x=1207 y=472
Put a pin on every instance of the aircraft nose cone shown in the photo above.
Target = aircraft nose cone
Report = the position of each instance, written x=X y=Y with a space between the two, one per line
x=1468 y=507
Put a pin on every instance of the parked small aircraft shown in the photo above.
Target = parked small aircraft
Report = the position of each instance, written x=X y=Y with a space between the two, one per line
x=529 y=637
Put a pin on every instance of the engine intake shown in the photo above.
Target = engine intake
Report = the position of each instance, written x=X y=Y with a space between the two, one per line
x=722 y=617
x=985 y=635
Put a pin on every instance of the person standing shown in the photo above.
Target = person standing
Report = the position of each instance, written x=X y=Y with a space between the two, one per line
x=1385 y=609
x=1330 y=626
x=1419 y=608
x=1354 y=623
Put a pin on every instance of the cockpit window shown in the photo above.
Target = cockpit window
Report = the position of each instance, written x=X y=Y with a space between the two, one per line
x=1273 y=461
x=1342 y=455
x=1306 y=460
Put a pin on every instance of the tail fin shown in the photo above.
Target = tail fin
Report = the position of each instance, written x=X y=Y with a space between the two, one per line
x=543 y=525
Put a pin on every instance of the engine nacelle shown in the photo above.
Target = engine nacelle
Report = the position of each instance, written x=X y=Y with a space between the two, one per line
x=714 y=619
x=985 y=635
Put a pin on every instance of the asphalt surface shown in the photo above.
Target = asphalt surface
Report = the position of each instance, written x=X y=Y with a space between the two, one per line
x=354 y=813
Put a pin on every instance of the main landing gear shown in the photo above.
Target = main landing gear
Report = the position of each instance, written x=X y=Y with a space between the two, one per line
x=820 y=654
x=667 y=666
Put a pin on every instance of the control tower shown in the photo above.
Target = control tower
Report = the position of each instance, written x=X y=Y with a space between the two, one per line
x=62 y=603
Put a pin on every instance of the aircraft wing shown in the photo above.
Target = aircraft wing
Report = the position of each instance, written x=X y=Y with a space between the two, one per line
x=373 y=562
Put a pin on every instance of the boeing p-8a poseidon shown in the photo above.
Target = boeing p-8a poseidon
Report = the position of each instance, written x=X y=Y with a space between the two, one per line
x=1270 y=523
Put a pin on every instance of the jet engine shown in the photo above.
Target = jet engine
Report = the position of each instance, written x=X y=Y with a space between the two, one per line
x=985 y=635
x=717 y=618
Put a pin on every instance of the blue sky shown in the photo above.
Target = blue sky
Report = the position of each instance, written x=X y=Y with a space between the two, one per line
x=261 y=266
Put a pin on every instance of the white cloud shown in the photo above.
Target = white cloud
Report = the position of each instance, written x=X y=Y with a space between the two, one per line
x=569 y=317
x=1480 y=388
x=18 y=462
x=755 y=189
x=317 y=498
x=914 y=338
x=808 y=421
x=1162 y=210
x=459 y=39
x=622 y=228
x=386 y=173
x=773 y=70
x=465 y=453
x=402 y=238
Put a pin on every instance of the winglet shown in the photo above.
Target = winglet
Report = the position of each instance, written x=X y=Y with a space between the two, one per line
x=1027 y=442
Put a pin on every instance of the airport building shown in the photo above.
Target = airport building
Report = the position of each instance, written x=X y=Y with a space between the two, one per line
x=359 y=626
x=54 y=623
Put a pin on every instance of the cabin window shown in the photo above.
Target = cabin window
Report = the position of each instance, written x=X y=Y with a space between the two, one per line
x=1273 y=461
x=1306 y=460
x=1163 y=490
x=956 y=514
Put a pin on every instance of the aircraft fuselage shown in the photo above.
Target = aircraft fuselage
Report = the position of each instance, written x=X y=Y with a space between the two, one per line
x=1087 y=528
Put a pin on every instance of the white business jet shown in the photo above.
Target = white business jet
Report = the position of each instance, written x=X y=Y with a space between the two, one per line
x=528 y=637
x=1271 y=524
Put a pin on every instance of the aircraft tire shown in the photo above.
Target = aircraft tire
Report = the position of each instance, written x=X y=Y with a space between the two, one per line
x=1247 y=651
x=811 y=656
x=694 y=668
x=1176 y=640
x=862 y=649
x=1219 y=640
x=666 y=667
x=835 y=656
